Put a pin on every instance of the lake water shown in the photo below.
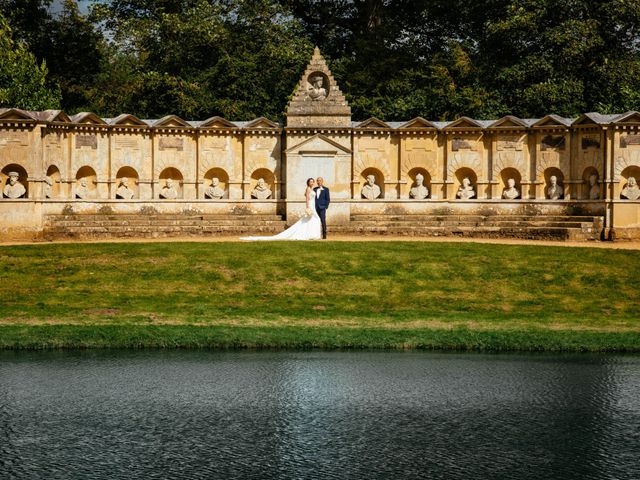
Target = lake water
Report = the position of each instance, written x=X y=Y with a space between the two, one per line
x=343 y=415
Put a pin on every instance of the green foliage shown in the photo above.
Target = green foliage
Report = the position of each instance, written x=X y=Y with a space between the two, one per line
x=23 y=82
x=238 y=59
x=393 y=59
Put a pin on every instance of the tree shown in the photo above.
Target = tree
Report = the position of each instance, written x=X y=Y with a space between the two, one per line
x=196 y=58
x=75 y=53
x=23 y=82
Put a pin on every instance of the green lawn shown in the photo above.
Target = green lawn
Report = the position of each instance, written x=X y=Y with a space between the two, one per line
x=315 y=294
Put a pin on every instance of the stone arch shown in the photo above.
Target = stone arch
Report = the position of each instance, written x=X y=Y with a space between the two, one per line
x=379 y=180
x=22 y=179
x=590 y=158
x=466 y=172
x=506 y=174
x=545 y=161
x=132 y=179
x=86 y=183
x=505 y=160
x=586 y=183
x=632 y=171
x=425 y=173
x=550 y=172
x=623 y=164
x=54 y=177
x=470 y=161
x=171 y=177
x=269 y=178
x=223 y=178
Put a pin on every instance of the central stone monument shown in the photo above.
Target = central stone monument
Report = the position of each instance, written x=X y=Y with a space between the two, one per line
x=318 y=141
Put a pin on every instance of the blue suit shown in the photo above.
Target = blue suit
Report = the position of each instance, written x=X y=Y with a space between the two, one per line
x=322 y=203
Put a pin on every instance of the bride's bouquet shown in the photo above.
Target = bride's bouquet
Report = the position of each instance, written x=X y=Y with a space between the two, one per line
x=308 y=212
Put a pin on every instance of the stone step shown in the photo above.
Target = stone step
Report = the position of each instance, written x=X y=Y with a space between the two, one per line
x=154 y=217
x=52 y=234
x=162 y=223
x=557 y=227
x=495 y=223
x=534 y=233
x=422 y=217
x=166 y=228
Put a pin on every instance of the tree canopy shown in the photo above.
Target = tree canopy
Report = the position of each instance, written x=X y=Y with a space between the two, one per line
x=23 y=81
x=394 y=59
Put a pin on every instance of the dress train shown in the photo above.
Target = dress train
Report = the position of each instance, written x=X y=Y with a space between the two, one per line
x=307 y=228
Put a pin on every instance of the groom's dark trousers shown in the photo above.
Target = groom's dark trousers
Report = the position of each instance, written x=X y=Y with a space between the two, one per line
x=322 y=203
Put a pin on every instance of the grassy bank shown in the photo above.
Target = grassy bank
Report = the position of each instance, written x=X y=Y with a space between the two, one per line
x=320 y=295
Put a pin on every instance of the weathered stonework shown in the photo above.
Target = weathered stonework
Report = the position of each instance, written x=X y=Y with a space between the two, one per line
x=53 y=164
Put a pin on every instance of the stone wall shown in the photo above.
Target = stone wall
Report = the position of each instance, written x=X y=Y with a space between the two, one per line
x=50 y=161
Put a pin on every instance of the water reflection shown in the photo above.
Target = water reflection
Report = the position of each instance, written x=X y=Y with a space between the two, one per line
x=318 y=415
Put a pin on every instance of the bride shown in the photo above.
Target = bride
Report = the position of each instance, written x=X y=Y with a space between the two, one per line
x=307 y=228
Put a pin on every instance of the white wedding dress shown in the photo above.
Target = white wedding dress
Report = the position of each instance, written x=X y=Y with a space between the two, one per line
x=307 y=228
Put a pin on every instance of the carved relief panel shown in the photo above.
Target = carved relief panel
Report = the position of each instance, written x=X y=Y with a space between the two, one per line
x=466 y=151
x=510 y=151
x=15 y=147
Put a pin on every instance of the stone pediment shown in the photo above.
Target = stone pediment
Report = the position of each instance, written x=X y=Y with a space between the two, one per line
x=217 y=122
x=373 y=122
x=418 y=123
x=171 y=121
x=552 y=121
x=87 y=117
x=318 y=144
x=14 y=114
x=629 y=117
x=317 y=100
x=508 y=122
x=463 y=122
x=128 y=119
x=55 y=116
x=262 y=122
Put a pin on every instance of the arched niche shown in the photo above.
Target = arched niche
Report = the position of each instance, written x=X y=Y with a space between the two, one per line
x=52 y=185
x=170 y=187
x=258 y=192
x=626 y=175
x=367 y=192
x=426 y=182
x=127 y=180
x=510 y=173
x=591 y=188
x=211 y=191
x=460 y=175
x=552 y=172
x=14 y=191
x=86 y=183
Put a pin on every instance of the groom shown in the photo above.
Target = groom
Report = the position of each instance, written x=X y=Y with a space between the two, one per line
x=322 y=203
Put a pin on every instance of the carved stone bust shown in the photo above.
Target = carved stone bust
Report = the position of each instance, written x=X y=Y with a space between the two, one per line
x=631 y=191
x=13 y=188
x=466 y=191
x=82 y=190
x=419 y=192
x=594 y=188
x=262 y=190
x=123 y=191
x=317 y=91
x=511 y=192
x=169 y=191
x=371 y=191
x=555 y=191
x=48 y=187
x=214 y=191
